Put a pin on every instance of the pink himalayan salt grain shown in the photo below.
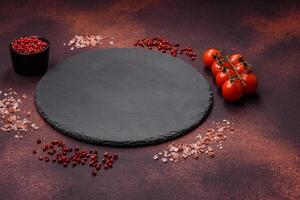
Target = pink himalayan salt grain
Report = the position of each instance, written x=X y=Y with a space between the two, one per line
x=203 y=144
x=11 y=119
x=83 y=41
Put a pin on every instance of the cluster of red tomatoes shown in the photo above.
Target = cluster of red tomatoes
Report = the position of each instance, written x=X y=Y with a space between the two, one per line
x=233 y=74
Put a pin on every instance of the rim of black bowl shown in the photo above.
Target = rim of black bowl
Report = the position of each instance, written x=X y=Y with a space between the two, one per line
x=28 y=54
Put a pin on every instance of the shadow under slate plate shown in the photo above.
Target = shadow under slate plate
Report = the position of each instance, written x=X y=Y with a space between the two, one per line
x=123 y=97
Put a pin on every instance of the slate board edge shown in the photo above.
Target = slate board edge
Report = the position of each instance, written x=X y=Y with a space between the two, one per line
x=151 y=141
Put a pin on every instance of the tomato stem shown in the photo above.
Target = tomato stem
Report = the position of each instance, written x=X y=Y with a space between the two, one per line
x=234 y=69
x=220 y=61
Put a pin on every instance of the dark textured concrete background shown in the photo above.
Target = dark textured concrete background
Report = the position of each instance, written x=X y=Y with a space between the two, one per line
x=260 y=161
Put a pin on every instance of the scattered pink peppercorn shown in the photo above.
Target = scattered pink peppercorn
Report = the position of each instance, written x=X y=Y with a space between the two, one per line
x=94 y=173
x=58 y=152
x=46 y=158
x=115 y=156
x=165 y=46
x=105 y=154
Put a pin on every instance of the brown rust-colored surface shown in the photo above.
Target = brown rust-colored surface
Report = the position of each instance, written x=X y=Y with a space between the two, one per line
x=260 y=161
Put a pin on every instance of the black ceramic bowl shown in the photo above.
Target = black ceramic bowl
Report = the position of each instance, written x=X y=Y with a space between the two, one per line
x=30 y=64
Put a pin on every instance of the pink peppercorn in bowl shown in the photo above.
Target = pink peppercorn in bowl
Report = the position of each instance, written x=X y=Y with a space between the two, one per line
x=30 y=55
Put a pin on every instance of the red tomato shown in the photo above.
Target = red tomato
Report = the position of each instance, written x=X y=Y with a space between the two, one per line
x=222 y=77
x=232 y=91
x=240 y=68
x=236 y=58
x=209 y=56
x=217 y=67
x=250 y=82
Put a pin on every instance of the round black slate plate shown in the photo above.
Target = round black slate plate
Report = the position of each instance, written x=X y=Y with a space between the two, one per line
x=123 y=97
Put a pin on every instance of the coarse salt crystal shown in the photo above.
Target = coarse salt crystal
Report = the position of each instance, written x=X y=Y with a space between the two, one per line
x=83 y=41
x=34 y=126
x=203 y=144
x=155 y=157
x=9 y=108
